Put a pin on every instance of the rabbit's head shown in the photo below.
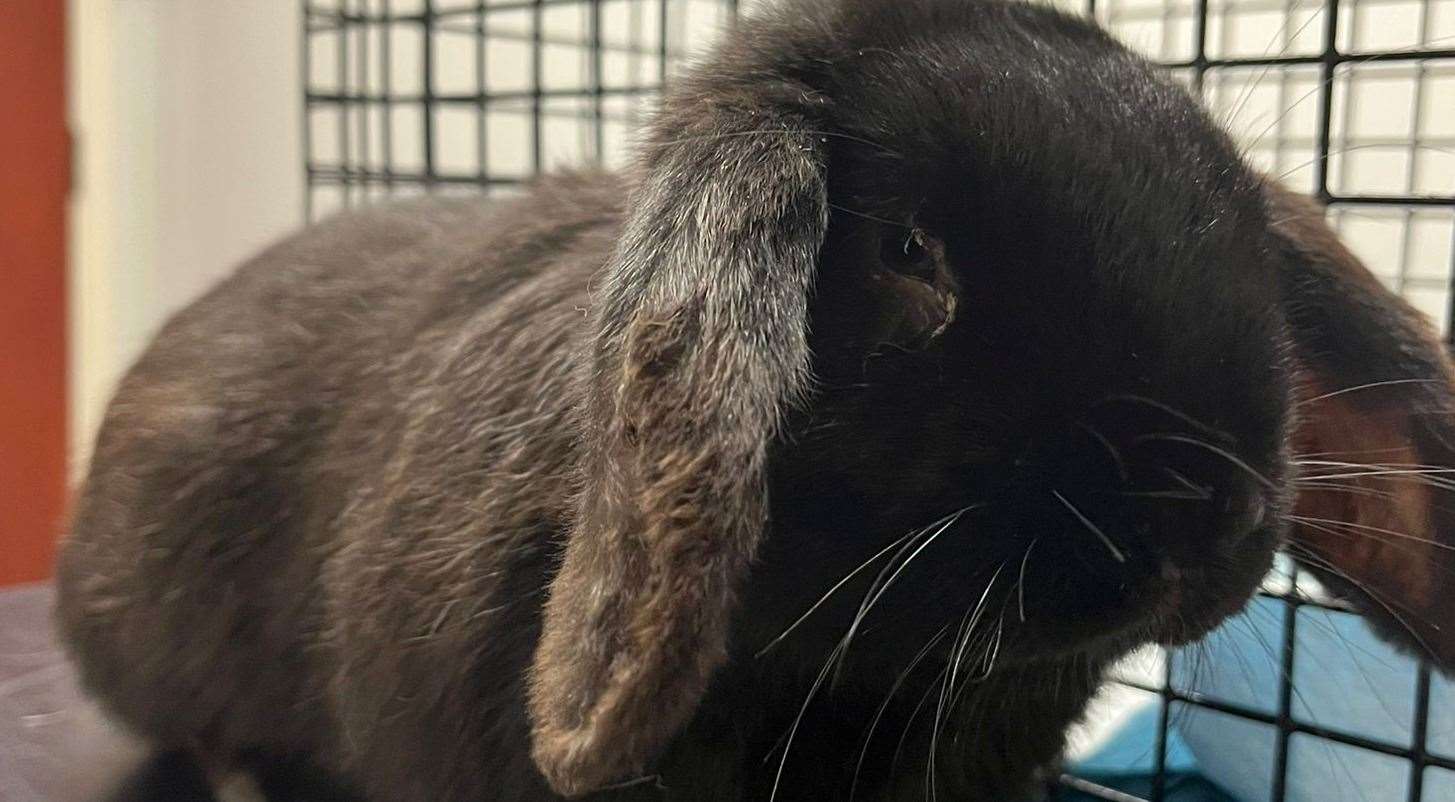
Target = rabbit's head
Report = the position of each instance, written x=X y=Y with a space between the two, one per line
x=949 y=312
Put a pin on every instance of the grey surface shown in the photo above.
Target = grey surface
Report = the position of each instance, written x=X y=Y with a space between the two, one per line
x=54 y=745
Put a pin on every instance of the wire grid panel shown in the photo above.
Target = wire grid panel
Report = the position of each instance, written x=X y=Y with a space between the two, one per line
x=1352 y=101
x=408 y=96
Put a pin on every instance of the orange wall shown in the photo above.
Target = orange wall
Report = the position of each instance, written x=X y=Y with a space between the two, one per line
x=34 y=169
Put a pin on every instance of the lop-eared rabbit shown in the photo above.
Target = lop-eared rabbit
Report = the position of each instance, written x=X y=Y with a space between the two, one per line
x=931 y=355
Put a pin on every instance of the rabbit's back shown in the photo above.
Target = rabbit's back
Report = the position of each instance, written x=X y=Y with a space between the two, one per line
x=327 y=466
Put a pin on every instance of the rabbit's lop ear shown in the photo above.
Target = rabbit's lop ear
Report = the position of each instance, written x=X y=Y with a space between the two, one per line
x=1374 y=441
x=700 y=340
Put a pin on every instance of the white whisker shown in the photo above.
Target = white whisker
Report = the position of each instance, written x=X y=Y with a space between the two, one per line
x=831 y=591
x=1360 y=387
x=1173 y=411
x=1309 y=556
x=1116 y=553
x=883 y=706
x=798 y=719
x=869 y=603
x=1376 y=529
x=1222 y=452
x=1021 y=583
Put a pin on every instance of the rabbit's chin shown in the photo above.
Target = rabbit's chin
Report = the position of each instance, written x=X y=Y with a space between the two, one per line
x=1196 y=612
x=1201 y=598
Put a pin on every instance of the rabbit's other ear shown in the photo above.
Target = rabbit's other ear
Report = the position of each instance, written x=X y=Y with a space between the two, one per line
x=1374 y=438
x=700 y=341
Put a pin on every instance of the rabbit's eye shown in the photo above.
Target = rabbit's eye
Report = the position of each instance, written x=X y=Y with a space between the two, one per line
x=906 y=252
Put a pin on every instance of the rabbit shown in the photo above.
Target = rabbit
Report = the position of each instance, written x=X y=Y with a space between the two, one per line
x=930 y=356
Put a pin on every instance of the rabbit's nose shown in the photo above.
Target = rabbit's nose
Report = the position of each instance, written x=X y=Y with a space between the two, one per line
x=1148 y=487
x=1207 y=495
x=1241 y=510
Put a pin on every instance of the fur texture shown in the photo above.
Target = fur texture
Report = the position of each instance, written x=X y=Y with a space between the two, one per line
x=933 y=354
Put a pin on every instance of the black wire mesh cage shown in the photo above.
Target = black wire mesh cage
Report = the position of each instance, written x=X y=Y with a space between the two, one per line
x=410 y=95
x=1351 y=101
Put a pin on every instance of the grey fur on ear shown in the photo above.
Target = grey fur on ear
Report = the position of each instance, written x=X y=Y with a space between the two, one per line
x=700 y=340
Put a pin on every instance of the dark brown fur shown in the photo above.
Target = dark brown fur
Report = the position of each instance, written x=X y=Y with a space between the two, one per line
x=456 y=500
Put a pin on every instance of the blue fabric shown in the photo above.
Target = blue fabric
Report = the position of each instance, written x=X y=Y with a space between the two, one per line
x=1128 y=761
x=1133 y=750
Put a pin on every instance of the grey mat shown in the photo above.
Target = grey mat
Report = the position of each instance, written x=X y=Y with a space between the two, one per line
x=54 y=745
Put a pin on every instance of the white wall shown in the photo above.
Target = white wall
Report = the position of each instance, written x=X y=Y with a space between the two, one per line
x=187 y=121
